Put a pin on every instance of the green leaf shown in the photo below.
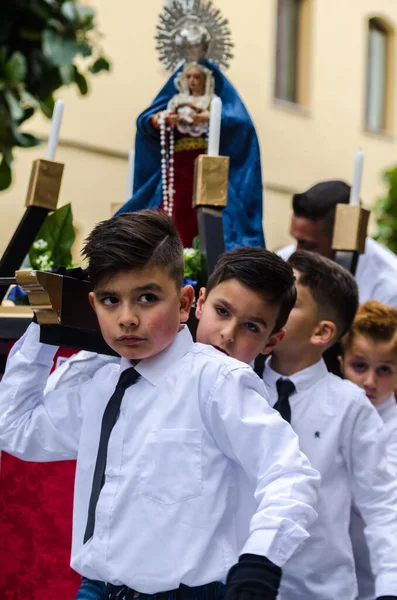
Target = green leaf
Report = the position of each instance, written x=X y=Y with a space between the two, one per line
x=28 y=99
x=16 y=68
x=61 y=51
x=386 y=211
x=84 y=49
x=69 y=11
x=85 y=16
x=57 y=230
x=67 y=74
x=28 y=112
x=5 y=175
x=24 y=140
x=47 y=106
x=101 y=64
x=81 y=82
x=14 y=105
x=57 y=25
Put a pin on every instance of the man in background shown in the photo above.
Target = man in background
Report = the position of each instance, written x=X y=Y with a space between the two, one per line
x=312 y=226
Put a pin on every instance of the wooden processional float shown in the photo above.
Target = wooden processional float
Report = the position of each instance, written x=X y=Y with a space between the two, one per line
x=59 y=302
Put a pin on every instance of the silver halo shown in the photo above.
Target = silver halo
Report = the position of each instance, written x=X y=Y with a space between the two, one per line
x=193 y=31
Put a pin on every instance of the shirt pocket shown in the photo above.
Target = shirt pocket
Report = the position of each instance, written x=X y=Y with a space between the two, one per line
x=171 y=465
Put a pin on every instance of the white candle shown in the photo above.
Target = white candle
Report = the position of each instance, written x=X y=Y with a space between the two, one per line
x=130 y=175
x=55 y=129
x=357 y=176
x=214 y=133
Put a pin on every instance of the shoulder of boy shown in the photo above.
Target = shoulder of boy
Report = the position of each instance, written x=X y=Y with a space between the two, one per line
x=219 y=360
x=359 y=413
x=227 y=371
x=346 y=391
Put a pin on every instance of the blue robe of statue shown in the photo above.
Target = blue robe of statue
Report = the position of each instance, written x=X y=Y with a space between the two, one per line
x=242 y=218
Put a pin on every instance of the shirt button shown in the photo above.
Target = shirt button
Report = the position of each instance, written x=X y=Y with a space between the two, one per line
x=100 y=534
x=111 y=473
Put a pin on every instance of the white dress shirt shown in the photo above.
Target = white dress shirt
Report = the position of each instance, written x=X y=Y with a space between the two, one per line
x=78 y=368
x=376 y=273
x=166 y=513
x=365 y=579
x=344 y=438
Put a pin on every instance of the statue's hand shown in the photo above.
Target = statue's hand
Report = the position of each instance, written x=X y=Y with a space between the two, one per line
x=172 y=119
x=201 y=117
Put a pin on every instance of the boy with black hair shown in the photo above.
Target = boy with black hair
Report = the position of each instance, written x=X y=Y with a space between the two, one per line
x=312 y=227
x=233 y=308
x=341 y=434
x=157 y=464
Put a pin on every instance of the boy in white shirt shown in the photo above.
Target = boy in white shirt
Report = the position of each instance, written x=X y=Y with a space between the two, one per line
x=342 y=435
x=155 y=509
x=370 y=360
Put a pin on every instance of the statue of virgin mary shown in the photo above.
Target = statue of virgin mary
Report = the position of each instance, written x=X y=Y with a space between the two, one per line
x=172 y=132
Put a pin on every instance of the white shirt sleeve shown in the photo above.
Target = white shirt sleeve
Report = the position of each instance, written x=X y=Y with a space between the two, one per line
x=78 y=368
x=33 y=426
x=375 y=491
x=392 y=452
x=254 y=435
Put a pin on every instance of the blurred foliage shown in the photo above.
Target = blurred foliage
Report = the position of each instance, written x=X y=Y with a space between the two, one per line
x=53 y=244
x=386 y=212
x=192 y=259
x=44 y=44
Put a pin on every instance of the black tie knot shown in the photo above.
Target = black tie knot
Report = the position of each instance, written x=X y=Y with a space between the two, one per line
x=285 y=388
x=128 y=378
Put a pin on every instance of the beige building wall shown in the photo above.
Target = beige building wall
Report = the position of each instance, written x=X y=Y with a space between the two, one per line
x=299 y=147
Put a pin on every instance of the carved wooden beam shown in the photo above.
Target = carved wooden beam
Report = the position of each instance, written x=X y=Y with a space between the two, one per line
x=211 y=178
x=350 y=232
x=42 y=197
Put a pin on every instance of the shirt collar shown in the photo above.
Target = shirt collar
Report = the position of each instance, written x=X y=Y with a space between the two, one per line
x=154 y=368
x=301 y=380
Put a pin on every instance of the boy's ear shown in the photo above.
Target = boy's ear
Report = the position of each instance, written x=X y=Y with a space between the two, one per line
x=200 y=303
x=91 y=300
x=272 y=342
x=186 y=301
x=324 y=334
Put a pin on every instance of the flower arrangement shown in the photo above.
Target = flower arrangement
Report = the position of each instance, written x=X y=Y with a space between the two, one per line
x=192 y=258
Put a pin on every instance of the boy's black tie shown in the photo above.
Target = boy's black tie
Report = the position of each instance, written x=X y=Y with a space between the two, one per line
x=127 y=378
x=285 y=388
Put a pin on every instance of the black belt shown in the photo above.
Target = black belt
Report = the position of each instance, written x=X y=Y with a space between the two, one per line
x=122 y=592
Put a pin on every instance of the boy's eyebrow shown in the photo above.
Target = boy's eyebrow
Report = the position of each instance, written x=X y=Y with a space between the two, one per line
x=362 y=357
x=149 y=286
x=143 y=288
x=258 y=320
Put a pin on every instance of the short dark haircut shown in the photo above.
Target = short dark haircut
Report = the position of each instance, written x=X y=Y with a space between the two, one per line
x=318 y=202
x=133 y=241
x=261 y=271
x=332 y=287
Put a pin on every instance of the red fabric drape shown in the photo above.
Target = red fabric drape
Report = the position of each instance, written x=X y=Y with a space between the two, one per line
x=184 y=215
x=36 y=501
